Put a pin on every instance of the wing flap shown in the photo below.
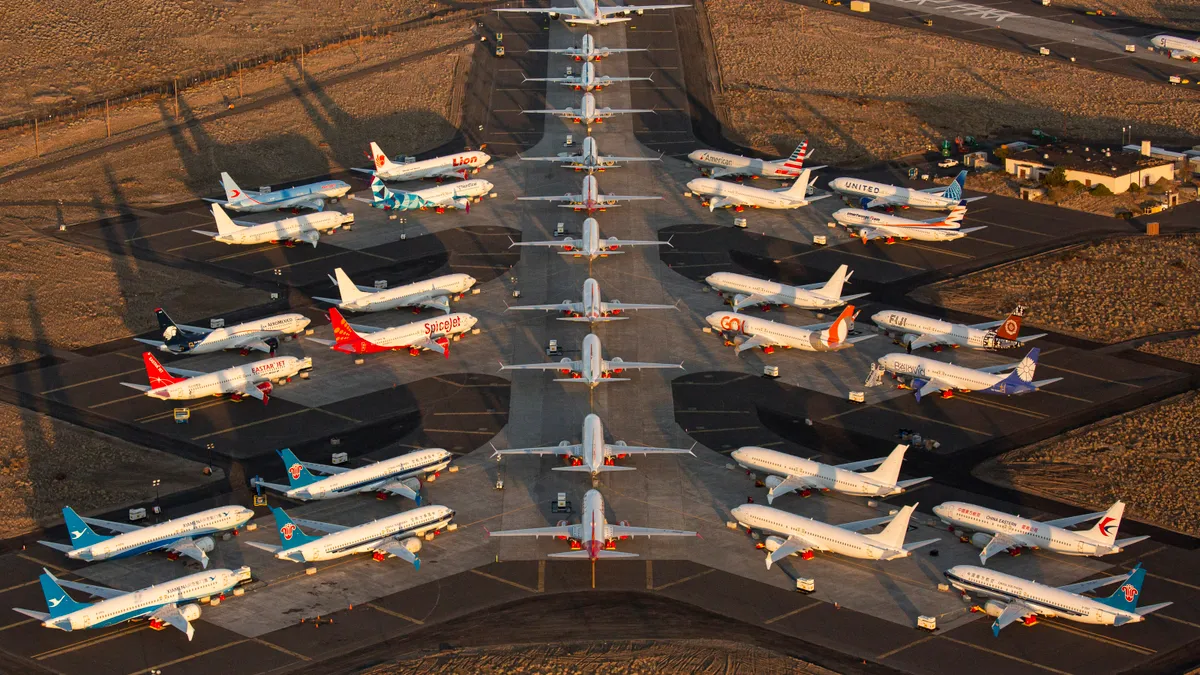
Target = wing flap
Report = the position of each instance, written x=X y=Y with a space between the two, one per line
x=170 y=615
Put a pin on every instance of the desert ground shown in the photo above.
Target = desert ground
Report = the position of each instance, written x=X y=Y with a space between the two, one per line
x=1178 y=14
x=1109 y=291
x=1072 y=196
x=1147 y=457
x=785 y=75
x=46 y=464
x=1182 y=349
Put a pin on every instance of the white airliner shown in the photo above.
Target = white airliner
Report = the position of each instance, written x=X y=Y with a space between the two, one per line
x=587 y=113
x=720 y=194
x=999 y=531
x=868 y=225
x=171 y=603
x=592 y=537
x=749 y=292
x=587 y=79
x=874 y=194
x=590 y=159
x=1025 y=600
x=394 y=536
x=458 y=165
x=927 y=376
x=590 y=13
x=803 y=536
x=788 y=473
x=589 y=244
x=592 y=455
x=915 y=331
x=716 y=164
x=591 y=368
x=260 y=335
x=398 y=475
x=430 y=334
x=1178 y=48
x=434 y=293
x=190 y=535
x=307 y=228
x=589 y=198
x=311 y=196
x=253 y=379
x=457 y=195
x=587 y=50
x=818 y=337
x=592 y=309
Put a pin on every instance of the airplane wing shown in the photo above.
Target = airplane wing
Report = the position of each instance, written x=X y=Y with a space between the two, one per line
x=641 y=365
x=999 y=544
x=118 y=527
x=859 y=466
x=441 y=302
x=794 y=544
x=255 y=392
x=551 y=111
x=170 y=614
x=1015 y=610
x=749 y=302
x=609 y=11
x=318 y=525
x=316 y=204
x=925 y=388
x=554 y=198
x=402 y=488
x=561 y=11
x=431 y=345
x=756 y=341
x=396 y=548
x=638 y=242
x=630 y=531
x=574 y=365
x=256 y=345
x=643 y=450
x=572 y=450
x=922 y=341
x=558 y=243
x=720 y=202
x=1070 y=520
x=626 y=198
x=188 y=547
x=573 y=306
x=788 y=485
x=1085 y=586
x=310 y=236
x=860 y=525
x=94 y=591
x=614 y=111
x=324 y=468
x=623 y=306
x=630 y=159
x=555 y=531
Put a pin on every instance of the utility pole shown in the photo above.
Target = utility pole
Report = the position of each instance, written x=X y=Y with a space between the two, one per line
x=301 y=60
x=107 y=123
x=175 y=83
x=37 y=141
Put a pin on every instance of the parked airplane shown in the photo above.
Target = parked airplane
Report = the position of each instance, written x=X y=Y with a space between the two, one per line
x=398 y=475
x=748 y=292
x=1178 y=48
x=926 y=376
x=1026 y=600
x=587 y=113
x=587 y=50
x=868 y=225
x=432 y=334
x=190 y=535
x=252 y=379
x=458 y=165
x=590 y=159
x=592 y=454
x=716 y=164
x=592 y=537
x=589 y=198
x=803 y=536
x=915 y=331
x=818 y=337
x=874 y=194
x=590 y=13
x=589 y=245
x=998 y=531
x=449 y=196
x=306 y=228
x=788 y=473
x=397 y=536
x=720 y=194
x=434 y=293
x=587 y=80
x=311 y=196
x=591 y=368
x=261 y=335
x=172 y=603
x=592 y=309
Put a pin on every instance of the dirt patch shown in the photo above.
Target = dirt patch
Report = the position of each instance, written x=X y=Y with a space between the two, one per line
x=1110 y=291
x=46 y=464
x=1183 y=349
x=1148 y=458
x=787 y=74
x=1180 y=14
x=1071 y=196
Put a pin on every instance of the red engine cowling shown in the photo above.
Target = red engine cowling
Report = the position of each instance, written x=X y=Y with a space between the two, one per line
x=266 y=388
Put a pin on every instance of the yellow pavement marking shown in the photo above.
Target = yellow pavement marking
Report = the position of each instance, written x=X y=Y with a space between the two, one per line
x=345 y=417
x=1005 y=655
x=1145 y=651
x=189 y=657
x=794 y=612
x=250 y=424
x=1000 y=406
x=683 y=580
x=277 y=648
x=97 y=379
x=461 y=431
x=22 y=585
x=43 y=563
x=876 y=259
x=505 y=581
x=19 y=623
x=901 y=648
x=936 y=250
x=90 y=642
x=394 y=613
x=1094 y=377
x=1158 y=614
x=919 y=417
x=709 y=431
x=158 y=234
x=498 y=515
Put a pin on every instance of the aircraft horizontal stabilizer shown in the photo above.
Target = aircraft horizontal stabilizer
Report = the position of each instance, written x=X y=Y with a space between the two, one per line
x=918 y=544
x=599 y=554
x=1042 y=383
x=152 y=343
x=206 y=233
x=57 y=546
x=600 y=319
x=905 y=484
x=40 y=616
x=1143 y=611
x=601 y=381
x=579 y=253
x=139 y=387
x=848 y=298
x=583 y=468
x=1122 y=543
x=270 y=486
x=327 y=343
x=269 y=548
x=1027 y=338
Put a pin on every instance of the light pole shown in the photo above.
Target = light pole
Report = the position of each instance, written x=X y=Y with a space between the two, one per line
x=157 y=510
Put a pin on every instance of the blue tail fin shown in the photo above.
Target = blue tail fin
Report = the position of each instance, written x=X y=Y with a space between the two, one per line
x=1126 y=597
x=1025 y=369
x=81 y=534
x=290 y=534
x=297 y=475
x=955 y=189
x=57 y=600
x=864 y=202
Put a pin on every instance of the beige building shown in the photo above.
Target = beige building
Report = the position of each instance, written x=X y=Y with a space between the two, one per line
x=1091 y=166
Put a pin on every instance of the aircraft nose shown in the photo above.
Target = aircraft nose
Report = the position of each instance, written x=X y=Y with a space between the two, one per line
x=939 y=510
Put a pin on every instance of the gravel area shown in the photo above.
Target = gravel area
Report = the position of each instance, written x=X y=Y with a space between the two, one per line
x=1147 y=457
x=46 y=464
x=1177 y=14
x=1007 y=185
x=1110 y=291
x=863 y=91
x=1183 y=349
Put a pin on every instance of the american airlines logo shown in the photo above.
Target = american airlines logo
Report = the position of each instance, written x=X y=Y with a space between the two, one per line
x=443 y=325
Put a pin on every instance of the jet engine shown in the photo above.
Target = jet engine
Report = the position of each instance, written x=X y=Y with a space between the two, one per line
x=566 y=366
x=738 y=297
x=772 y=482
x=266 y=388
x=980 y=539
x=569 y=244
x=773 y=543
x=412 y=545
x=623 y=523
x=190 y=611
x=205 y=544
x=612 y=243
x=616 y=363
x=563 y=523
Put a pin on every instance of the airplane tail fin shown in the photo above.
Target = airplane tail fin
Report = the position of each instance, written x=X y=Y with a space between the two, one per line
x=232 y=192
x=1011 y=328
x=1025 y=369
x=225 y=224
x=57 y=600
x=1126 y=596
x=837 y=332
x=81 y=534
x=346 y=287
x=297 y=475
x=800 y=187
x=893 y=534
x=1105 y=529
x=956 y=215
x=955 y=189
x=346 y=339
x=381 y=160
x=171 y=334
x=833 y=288
x=889 y=472
x=796 y=161
x=158 y=376
x=290 y=534
x=379 y=191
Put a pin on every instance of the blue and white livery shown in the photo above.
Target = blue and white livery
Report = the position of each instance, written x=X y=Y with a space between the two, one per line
x=872 y=194
x=927 y=376
x=311 y=196
x=398 y=475
x=395 y=536
x=450 y=196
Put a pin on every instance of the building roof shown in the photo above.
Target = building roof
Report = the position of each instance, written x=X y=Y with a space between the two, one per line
x=1088 y=159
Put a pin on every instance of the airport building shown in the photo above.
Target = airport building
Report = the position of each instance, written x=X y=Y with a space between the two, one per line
x=1091 y=166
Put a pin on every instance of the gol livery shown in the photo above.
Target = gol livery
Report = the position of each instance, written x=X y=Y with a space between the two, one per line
x=590 y=159
x=457 y=195
x=915 y=331
x=591 y=368
x=458 y=165
x=998 y=531
x=587 y=113
x=587 y=50
x=1178 y=48
x=927 y=376
x=587 y=80
x=307 y=228
x=253 y=379
x=881 y=194
x=310 y=196
x=589 y=245
x=592 y=538
x=261 y=335
x=821 y=337
x=589 y=198
x=592 y=309
x=434 y=293
x=592 y=455
x=868 y=225
x=788 y=473
x=716 y=164
x=590 y=13
x=398 y=475
x=721 y=194
x=397 y=536
x=431 y=334
x=748 y=291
